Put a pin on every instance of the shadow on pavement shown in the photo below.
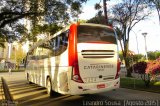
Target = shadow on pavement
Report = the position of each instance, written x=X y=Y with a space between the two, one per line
x=33 y=95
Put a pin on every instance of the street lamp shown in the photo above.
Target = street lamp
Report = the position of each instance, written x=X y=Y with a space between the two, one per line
x=136 y=39
x=145 y=34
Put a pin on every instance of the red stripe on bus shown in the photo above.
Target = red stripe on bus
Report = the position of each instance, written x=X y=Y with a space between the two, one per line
x=72 y=45
x=73 y=54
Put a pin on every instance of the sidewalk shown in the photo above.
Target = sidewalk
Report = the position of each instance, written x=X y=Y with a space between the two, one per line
x=118 y=94
x=129 y=94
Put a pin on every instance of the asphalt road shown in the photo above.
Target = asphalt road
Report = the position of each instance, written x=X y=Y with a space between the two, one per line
x=33 y=95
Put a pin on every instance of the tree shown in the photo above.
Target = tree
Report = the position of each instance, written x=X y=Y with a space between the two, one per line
x=97 y=20
x=105 y=10
x=46 y=29
x=98 y=7
x=132 y=59
x=156 y=5
x=82 y=21
x=51 y=11
x=126 y=15
x=18 y=55
x=2 y=43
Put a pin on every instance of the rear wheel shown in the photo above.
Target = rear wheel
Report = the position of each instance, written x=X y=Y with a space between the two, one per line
x=49 y=87
x=28 y=79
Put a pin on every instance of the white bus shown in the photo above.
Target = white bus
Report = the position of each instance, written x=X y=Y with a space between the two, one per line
x=80 y=59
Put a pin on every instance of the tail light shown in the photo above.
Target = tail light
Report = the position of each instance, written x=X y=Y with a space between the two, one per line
x=73 y=55
x=118 y=68
x=76 y=76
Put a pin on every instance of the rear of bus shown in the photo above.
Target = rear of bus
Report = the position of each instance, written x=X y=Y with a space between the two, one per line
x=93 y=55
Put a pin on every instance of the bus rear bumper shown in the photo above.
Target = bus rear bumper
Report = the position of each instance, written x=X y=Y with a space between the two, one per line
x=92 y=88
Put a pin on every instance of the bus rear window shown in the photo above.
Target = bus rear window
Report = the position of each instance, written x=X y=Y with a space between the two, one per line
x=95 y=34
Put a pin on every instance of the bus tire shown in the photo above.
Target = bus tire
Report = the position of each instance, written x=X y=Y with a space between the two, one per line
x=50 y=92
x=28 y=77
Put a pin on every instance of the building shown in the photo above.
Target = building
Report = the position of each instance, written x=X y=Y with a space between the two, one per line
x=12 y=55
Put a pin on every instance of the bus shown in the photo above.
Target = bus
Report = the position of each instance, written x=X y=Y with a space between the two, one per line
x=80 y=59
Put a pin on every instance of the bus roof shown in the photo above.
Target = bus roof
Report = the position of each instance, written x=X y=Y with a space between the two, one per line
x=63 y=30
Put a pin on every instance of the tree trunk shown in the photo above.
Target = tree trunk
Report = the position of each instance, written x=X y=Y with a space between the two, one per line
x=127 y=67
x=125 y=54
x=105 y=11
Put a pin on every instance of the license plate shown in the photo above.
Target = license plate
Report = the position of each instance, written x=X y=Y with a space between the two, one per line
x=101 y=86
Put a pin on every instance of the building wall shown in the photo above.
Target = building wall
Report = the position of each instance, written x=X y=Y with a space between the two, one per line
x=3 y=56
x=4 y=51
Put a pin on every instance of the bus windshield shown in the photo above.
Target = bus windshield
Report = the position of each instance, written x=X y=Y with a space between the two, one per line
x=88 y=33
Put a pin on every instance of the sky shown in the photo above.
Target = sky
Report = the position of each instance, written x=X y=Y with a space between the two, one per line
x=150 y=26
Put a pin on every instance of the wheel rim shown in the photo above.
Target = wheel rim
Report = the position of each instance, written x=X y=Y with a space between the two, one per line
x=48 y=87
x=27 y=78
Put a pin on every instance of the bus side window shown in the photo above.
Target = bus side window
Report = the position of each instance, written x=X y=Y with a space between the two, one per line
x=58 y=44
x=65 y=38
x=54 y=43
x=63 y=42
x=43 y=50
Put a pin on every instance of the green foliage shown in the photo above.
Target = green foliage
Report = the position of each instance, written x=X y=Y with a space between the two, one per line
x=18 y=55
x=50 y=28
x=43 y=29
x=121 y=55
x=97 y=20
x=82 y=21
x=2 y=45
x=138 y=84
x=97 y=6
x=152 y=55
x=102 y=9
x=132 y=59
x=50 y=11
x=135 y=58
